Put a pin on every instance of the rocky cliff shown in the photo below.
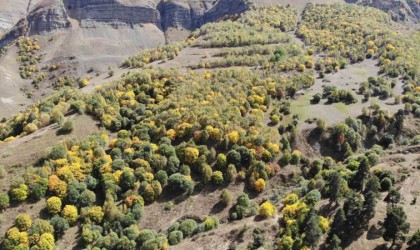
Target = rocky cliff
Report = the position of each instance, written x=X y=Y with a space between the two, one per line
x=47 y=16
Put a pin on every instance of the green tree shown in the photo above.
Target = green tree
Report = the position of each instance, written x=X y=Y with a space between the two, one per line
x=414 y=241
x=395 y=225
x=312 y=230
x=60 y=225
x=335 y=187
x=393 y=197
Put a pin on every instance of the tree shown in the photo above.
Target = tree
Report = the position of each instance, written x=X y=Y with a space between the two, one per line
x=20 y=193
x=338 y=226
x=395 y=225
x=70 y=214
x=60 y=225
x=23 y=222
x=187 y=227
x=191 y=155
x=162 y=177
x=87 y=198
x=54 y=205
x=175 y=237
x=217 y=178
x=334 y=243
x=312 y=197
x=259 y=185
x=312 y=230
x=414 y=241
x=267 y=209
x=335 y=187
x=393 y=197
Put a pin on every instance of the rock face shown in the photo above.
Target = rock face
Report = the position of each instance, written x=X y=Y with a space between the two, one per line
x=113 y=12
x=52 y=15
x=47 y=16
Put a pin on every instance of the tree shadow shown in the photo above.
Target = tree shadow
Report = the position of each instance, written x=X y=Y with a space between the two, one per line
x=374 y=232
x=218 y=208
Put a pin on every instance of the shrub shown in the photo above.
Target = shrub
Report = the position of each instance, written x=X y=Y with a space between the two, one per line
x=23 y=222
x=188 y=227
x=70 y=214
x=4 y=201
x=386 y=184
x=162 y=177
x=67 y=127
x=54 y=205
x=259 y=185
x=20 y=193
x=175 y=237
x=217 y=178
x=291 y=199
x=324 y=224
x=267 y=210
x=226 y=197
x=211 y=223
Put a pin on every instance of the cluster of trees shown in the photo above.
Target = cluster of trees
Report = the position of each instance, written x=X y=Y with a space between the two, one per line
x=261 y=25
x=350 y=33
x=45 y=112
x=284 y=57
x=166 y=52
x=27 y=57
x=377 y=87
x=334 y=95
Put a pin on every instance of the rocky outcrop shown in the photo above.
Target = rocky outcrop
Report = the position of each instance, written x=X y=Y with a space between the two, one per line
x=49 y=15
x=183 y=14
x=223 y=8
x=114 y=12
x=402 y=10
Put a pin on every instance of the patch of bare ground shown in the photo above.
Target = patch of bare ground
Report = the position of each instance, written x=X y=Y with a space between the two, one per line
x=347 y=79
x=69 y=240
x=17 y=154
x=12 y=99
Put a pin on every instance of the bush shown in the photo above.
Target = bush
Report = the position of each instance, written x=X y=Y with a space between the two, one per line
x=259 y=185
x=217 y=178
x=4 y=201
x=188 y=227
x=267 y=210
x=226 y=197
x=291 y=199
x=211 y=223
x=54 y=205
x=386 y=184
x=20 y=193
x=175 y=237
x=70 y=214
x=162 y=177
x=67 y=127
x=191 y=155
x=23 y=222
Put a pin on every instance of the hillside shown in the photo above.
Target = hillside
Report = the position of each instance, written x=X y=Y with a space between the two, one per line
x=263 y=126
